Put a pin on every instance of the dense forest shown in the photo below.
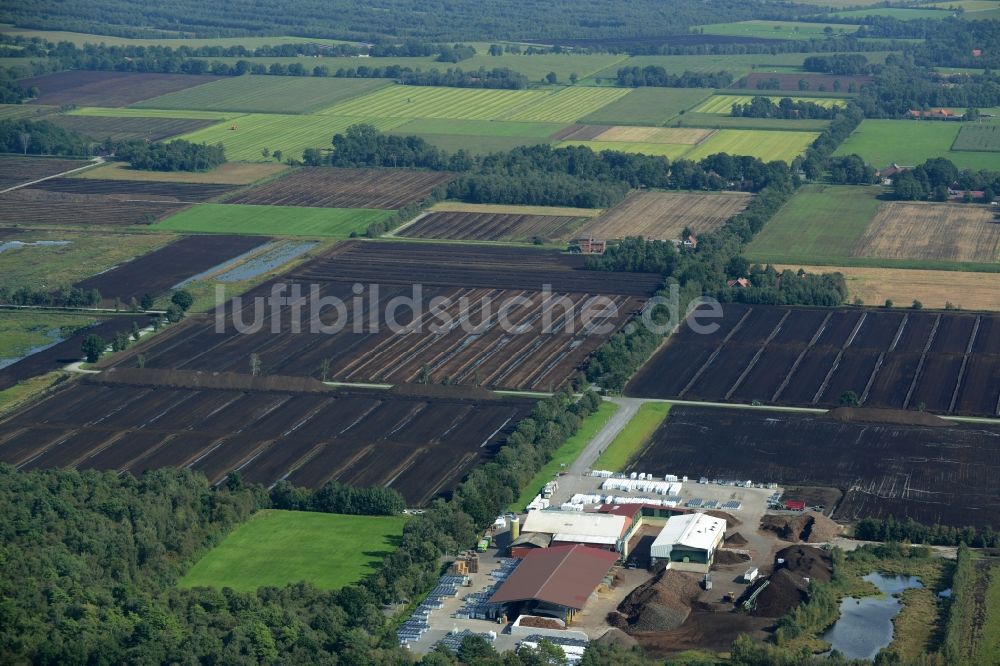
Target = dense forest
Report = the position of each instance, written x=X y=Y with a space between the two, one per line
x=176 y=155
x=763 y=107
x=28 y=137
x=392 y=20
x=91 y=560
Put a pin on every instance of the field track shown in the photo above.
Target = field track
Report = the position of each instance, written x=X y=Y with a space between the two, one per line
x=15 y=169
x=329 y=187
x=940 y=362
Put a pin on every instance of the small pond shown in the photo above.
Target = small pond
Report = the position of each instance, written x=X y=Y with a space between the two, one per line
x=16 y=245
x=865 y=625
x=54 y=335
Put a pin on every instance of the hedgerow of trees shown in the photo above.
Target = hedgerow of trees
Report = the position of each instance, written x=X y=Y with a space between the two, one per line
x=176 y=155
x=40 y=137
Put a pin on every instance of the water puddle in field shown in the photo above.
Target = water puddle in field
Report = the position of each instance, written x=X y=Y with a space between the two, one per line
x=55 y=336
x=266 y=261
x=865 y=625
x=17 y=245
x=224 y=265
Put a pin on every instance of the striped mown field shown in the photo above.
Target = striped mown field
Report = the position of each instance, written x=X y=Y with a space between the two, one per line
x=431 y=102
x=569 y=104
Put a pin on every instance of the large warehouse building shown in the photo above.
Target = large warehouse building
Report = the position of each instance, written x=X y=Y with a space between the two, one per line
x=554 y=582
x=688 y=542
x=597 y=530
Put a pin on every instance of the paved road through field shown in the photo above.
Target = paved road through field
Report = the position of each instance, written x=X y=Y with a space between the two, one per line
x=627 y=407
x=94 y=162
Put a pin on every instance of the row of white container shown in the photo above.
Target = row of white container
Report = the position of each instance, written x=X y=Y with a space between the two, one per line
x=636 y=476
x=643 y=486
x=538 y=503
x=611 y=499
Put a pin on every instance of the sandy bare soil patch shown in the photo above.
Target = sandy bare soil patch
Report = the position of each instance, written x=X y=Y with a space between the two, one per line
x=663 y=215
x=953 y=232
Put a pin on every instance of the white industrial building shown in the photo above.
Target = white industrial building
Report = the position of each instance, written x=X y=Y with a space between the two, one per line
x=688 y=542
x=568 y=527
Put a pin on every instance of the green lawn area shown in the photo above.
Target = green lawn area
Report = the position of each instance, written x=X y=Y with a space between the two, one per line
x=763 y=144
x=20 y=331
x=290 y=134
x=633 y=436
x=128 y=112
x=820 y=223
x=488 y=128
x=87 y=253
x=276 y=548
x=479 y=145
x=647 y=106
x=911 y=142
x=566 y=453
x=272 y=220
x=265 y=94
x=898 y=13
x=81 y=38
x=777 y=29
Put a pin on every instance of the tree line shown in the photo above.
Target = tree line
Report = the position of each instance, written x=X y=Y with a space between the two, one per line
x=763 y=107
x=891 y=529
x=654 y=75
x=935 y=177
x=176 y=155
x=66 y=296
x=30 y=137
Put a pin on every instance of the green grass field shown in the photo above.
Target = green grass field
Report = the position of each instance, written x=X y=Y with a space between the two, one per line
x=128 y=112
x=978 y=137
x=276 y=548
x=765 y=145
x=16 y=111
x=431 y=102
x=480 y=145
x=633 y=436
x=569 y=104
x=81 y=38
x=489 y=128
x=536 y=66
x=265 y=94
x=566 y=453
x=723 y=104
x=911 y=142
x=898 y=13
x=20 y=331
x=289 y=134
x=272 y=220
x=88 y=253
x=777 y=29
x=719 y=121
x=821 y=222
x=647 y=106
x=671 y=150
